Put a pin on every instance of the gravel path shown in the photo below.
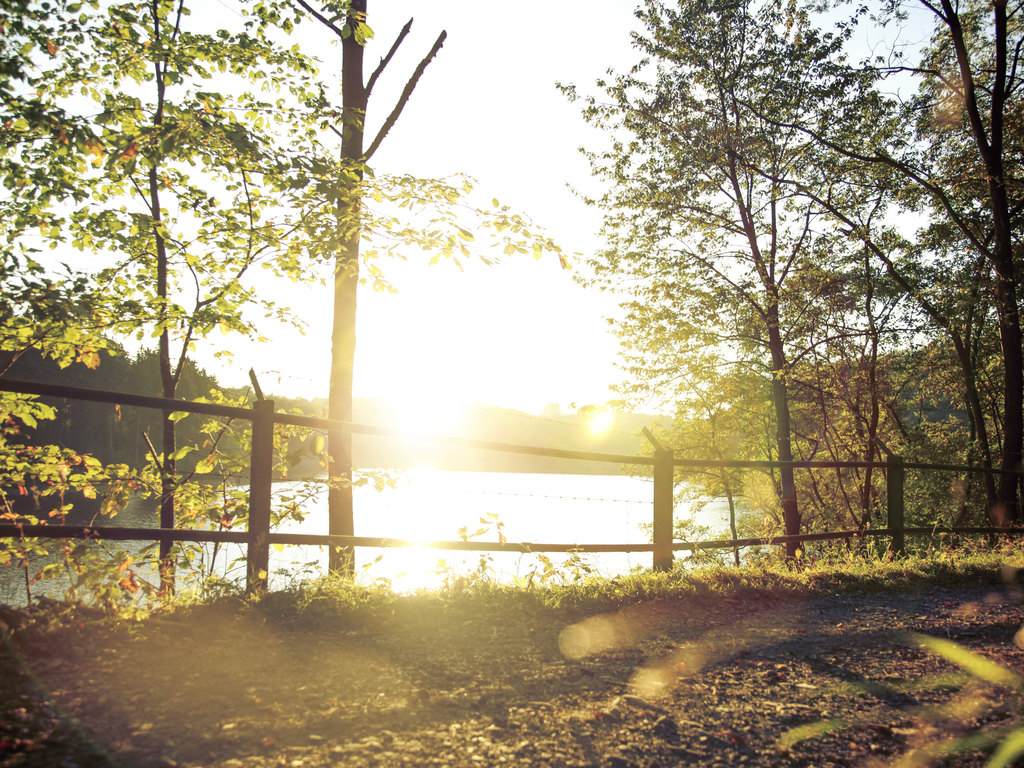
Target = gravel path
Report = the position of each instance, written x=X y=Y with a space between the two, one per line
x=664 y=683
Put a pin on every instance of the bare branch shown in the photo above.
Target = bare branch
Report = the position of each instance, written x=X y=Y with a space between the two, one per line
x=406 y=93
x=322 y=19
x=155 y=456
x=387 y=59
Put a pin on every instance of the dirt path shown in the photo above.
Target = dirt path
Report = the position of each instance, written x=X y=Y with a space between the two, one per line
x=657 y=684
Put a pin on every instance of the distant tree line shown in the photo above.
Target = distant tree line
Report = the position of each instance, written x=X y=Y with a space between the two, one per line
x=114 y=435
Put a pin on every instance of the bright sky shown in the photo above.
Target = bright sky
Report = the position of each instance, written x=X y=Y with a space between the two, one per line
x=520 y=334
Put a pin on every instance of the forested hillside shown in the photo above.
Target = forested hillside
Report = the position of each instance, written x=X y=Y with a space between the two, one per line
x=120 y=434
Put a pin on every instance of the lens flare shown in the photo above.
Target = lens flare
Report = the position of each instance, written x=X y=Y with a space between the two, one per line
x=600 y=423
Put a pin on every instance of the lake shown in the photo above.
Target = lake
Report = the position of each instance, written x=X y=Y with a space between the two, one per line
x=429 y=505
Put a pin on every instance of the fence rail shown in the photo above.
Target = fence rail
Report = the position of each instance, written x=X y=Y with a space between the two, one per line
x=258 y=537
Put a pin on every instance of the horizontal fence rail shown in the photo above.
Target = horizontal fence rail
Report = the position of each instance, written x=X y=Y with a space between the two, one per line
x=258 y=537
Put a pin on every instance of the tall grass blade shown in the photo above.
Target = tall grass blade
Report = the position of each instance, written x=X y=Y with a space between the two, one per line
x=1008 y=752
x=979 y=666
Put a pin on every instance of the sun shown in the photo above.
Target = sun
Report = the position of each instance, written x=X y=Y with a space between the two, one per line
x=600 y=422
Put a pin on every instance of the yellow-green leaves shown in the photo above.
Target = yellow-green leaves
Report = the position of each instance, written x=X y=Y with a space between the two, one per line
x=90 y=358
x=207 y=464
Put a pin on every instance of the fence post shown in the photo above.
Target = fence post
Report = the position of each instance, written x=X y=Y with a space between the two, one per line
x=663 y=498
x=894 y=500
x=664 y=476
x=260 y=478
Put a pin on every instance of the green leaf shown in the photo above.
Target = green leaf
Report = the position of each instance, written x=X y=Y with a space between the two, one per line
x=207 y=464
x=177 y=415
x=182 y=452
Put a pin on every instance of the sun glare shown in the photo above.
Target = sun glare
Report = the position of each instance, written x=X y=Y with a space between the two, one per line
x=600 y=423
x=435 y=415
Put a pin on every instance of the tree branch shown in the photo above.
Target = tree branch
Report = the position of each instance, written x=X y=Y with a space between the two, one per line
x=387 y=59
x=406 y=93
x=880 y=157
x=322 y=19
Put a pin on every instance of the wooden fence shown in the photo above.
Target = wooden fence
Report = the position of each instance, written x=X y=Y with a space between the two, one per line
x=259 y=538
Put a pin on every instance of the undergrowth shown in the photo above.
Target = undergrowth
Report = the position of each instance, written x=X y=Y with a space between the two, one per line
x=332 y=602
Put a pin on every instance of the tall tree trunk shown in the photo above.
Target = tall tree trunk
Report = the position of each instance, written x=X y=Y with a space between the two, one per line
x=355 y=98
x=990 y=149
x=870 y=445
x=977 y=416
x=732 y=520
x=346 y=281
x=1007 y=508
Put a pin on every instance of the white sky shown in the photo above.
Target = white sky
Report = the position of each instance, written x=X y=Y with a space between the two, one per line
x=520 y=334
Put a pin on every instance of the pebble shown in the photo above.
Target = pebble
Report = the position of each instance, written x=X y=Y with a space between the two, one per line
x=666 y=728
x=639 y=703
x=618 y=761
x=613 y=713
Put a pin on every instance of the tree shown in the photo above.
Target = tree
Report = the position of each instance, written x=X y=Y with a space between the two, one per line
x=953 y=151
x=355 y=216
x=972 y=66
x=353 y=33
x=44 y=150
x=184 y=166
x=719 y=252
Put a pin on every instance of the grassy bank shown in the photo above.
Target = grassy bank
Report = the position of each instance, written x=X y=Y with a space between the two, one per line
x=344 y=660
x=333 y=603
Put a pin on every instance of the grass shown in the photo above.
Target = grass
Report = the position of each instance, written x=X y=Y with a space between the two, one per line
x=332 y=602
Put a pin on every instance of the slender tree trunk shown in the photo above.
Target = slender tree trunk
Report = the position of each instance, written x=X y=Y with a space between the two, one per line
x=339 y=444
x=870 y=446
x=783 y=430
x=346 y=280
x=1007 y=508
x=168 y=381
x=973 y=400
x=732 y=521
x=354 y=155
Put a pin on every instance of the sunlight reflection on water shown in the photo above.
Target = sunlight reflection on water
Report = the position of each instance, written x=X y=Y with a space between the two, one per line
x=433 y=505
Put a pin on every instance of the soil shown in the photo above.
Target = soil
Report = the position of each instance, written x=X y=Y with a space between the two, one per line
x=720 y=682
